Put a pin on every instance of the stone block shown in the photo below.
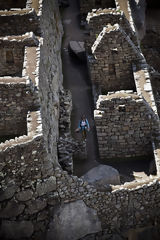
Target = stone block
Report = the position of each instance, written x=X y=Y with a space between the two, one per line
x=12 y=209
x=7 y=193
x=47 y=186
x=24 y=195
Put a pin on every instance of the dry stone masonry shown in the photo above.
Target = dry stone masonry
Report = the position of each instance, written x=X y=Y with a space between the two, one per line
x=97 y=19
x=35 y=122
x=124 y=125
x=113 y=53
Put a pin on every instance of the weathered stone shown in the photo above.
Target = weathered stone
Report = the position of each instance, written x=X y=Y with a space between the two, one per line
x=35 y=206
x=12 y=209
x=47 y=186
x=42 y=216
x=7 y=193
x=102 y=175
x=73 y=221
x=24 y=195
x=16 y=230
x=78 y=49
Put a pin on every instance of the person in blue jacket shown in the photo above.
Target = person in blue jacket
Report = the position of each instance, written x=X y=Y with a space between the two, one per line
x=83 y=125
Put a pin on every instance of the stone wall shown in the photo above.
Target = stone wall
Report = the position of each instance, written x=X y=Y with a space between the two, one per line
x=22 y=163
x=97 y=19
x=26 y=20
x=31 y=186
x=12 y=53
x=113 y=53
x=17 y=99
x=126 y=206
x=124 y=126
x=26 y=162
x=50 y=75
x=87 y=6
x=11 y=60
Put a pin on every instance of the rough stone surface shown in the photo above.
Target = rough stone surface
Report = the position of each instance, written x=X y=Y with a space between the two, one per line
x=111 y=61
x=24 y=195
x=102 y=175
x=77 y=49
x=16 y=230
x=12 y=209
x=73 y=221
x=46 y=186
x=7 y=193
x=124 y=125
x=35 y=206
x=30 y=160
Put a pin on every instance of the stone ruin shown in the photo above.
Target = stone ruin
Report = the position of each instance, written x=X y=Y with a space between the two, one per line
x=126 y=112
x=35 y=121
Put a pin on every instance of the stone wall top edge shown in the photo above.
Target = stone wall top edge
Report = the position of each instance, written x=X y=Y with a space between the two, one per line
x=36 y=58
x=104 y=11
x=136 y=185
x=16 y=11
x=34 y=128
x=127 y=186
x=27 y=39
x=7 y=80
x=128 y=94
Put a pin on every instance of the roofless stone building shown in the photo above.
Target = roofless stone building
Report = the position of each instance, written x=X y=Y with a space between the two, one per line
x=35 y=119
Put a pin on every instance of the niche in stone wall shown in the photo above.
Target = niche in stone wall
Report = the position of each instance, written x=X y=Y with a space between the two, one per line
x=9 y=57
x=11 y=60
x=112 y=70
x=8 y=4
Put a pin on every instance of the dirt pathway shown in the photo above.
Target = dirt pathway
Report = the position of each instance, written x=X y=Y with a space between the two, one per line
x=77 y=80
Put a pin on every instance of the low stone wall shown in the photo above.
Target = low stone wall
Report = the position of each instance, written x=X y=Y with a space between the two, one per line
x=128 y=206
x=97 y=19
x=125 y=126
x=113 y=53
x=22 y=157
x=26 y=20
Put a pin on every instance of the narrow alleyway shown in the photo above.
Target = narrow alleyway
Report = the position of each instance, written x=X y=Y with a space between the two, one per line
x=76 y=79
